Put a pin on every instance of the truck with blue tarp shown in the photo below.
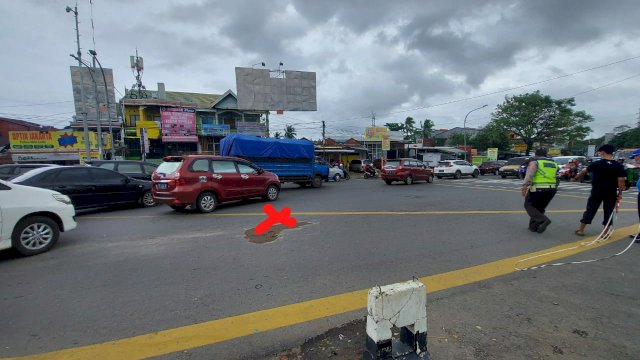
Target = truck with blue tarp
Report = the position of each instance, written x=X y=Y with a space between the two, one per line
x=291 y=159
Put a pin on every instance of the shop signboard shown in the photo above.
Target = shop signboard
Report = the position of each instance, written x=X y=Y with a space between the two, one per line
x=178 y=124
x=250 y=128
x=53 y=141
x=492 y=154
x=216 y=130
x=375 y=133
x=386 y=143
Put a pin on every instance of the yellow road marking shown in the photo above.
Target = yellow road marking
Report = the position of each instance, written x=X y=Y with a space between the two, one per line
x=216 y=331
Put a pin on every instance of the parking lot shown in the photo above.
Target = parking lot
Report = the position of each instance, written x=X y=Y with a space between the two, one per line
x=204 y=287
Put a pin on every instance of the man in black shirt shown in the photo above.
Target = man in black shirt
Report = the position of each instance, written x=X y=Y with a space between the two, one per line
x=607 y=185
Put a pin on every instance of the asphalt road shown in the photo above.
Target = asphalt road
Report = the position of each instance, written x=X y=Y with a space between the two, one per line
x=133 y=272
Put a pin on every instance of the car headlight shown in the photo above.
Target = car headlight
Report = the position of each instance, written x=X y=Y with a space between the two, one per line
x=62 y=198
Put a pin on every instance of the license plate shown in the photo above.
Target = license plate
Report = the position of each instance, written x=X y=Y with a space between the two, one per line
x=161 y=186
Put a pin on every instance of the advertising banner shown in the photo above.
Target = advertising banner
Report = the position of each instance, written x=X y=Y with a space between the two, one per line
x=492 y=154
x=216 y=130
x=250 y=128
x=53 y=141
x=375 y=133
x=178 y=124
x=386 y=143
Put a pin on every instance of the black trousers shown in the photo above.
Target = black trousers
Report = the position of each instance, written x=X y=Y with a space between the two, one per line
x=607 y=199
x=535 y=204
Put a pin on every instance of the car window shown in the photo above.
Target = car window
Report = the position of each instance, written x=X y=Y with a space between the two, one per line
x=443 y=163
x=168 y=167
x=24 y=169
x=223 y=167
x=419 y=164
x=246 y=169
x=5 y=170
x=200 y=165
x=104 y=176
x=110 y=166
x=129 y=168
x=148 y=169
x=74 y=176
x=393 y=163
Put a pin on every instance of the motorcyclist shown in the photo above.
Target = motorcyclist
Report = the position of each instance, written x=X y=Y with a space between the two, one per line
x=370 y=169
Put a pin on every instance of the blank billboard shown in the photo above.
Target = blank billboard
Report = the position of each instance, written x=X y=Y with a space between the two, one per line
x=290 y=90
x=90 y=93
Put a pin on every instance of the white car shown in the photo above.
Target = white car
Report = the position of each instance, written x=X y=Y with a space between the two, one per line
x=31 y=218
x=336 y=173
x=455 y=169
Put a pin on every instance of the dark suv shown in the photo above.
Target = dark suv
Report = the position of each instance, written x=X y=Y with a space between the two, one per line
x=204 y=181
x=406 y=170
x=491 y=167
x=136 y=169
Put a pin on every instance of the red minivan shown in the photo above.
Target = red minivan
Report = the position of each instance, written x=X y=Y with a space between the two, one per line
x=406 y=170
x=204 y=181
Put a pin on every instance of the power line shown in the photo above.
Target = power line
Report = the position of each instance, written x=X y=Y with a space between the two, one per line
x=37 y=104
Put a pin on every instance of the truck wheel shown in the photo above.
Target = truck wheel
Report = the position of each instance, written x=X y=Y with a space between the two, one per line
x=317 y=181
x=34 y=235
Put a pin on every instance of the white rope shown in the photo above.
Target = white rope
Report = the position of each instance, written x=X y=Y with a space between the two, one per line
x=604 y=235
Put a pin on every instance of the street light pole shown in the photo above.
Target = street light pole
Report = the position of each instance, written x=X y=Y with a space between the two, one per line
x=84 y=106
x=464 y=134
x=106 y=93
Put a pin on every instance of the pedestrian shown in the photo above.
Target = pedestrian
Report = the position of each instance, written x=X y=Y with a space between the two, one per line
x=538 y=188
x=636 y=156
x=607 y=185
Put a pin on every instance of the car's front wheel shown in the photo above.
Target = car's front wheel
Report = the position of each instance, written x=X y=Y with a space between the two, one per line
x=408 y=180
x=430 y=179
x=336 y=177
x=206 y=202
x=34 y=235
x=272 y=193
x=475 y=173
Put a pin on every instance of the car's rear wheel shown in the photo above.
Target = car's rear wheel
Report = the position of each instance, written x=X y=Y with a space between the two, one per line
x=457 y=175
x=272 y=193
x=430 y=179
x=206 y=202
x=408 y=180
x=34 y=235
x=475 y=173
x=317 y=181
x=336 y=177
x=147 y=200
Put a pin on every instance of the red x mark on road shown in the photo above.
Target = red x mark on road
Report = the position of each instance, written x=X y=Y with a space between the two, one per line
x=274 y=217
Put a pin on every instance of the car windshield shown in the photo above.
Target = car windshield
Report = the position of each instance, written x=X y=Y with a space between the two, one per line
x=168 y=167
x=392 y=163
x=516 y=161
x=29 y=174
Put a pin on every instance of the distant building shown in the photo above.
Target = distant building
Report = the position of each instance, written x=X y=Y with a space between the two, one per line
x=7 y=124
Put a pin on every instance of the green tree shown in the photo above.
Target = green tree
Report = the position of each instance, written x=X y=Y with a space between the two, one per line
x=627 y=139
x=458 y=139
x=409 y=129
x=277 y=135
x=492 y=136
x=426 y=129
x=394 y=126
x=537 y=118
x=621 y=129
x=290 y=132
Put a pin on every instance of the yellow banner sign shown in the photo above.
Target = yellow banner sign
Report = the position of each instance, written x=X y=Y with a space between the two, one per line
x=375 y=133
x=53 y=140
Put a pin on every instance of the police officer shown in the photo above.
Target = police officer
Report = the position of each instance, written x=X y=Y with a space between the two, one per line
x=539 y=187
x=607 y=186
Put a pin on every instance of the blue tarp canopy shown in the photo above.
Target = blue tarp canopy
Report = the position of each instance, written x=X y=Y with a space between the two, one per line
x=255 y=147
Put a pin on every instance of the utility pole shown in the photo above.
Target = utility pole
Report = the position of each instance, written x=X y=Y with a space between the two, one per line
x=98 y=125
x=324 y=148
x=84 y=106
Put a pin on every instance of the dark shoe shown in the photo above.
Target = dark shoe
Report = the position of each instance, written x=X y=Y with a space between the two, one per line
x=542 y=227
x=533 y=229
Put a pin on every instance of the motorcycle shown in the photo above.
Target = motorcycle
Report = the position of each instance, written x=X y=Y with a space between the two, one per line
x=370 y=172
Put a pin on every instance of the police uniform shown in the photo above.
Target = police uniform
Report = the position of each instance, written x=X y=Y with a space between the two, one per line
x=543 y=188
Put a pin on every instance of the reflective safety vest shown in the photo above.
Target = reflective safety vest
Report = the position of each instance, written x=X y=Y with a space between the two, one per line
x=545 y=176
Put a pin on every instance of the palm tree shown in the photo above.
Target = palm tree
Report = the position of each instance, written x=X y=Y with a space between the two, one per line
x=409 y=128
x=290 y=132
x=277 y=135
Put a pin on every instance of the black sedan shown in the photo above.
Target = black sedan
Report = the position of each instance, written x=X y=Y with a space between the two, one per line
x=136 y=169
x=90 y=187
x=10 y=171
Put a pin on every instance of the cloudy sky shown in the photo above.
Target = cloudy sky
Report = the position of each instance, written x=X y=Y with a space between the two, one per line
x=424 y=59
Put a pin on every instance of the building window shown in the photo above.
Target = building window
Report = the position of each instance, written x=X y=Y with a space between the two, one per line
x=208 y=120
x=133 y=119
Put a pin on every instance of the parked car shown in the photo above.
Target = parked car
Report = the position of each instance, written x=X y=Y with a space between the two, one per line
x=512 y=167
x=136 y=169
x=406 y=170
x=355 y=165
x=455 y=169
x=491 y=167
x=10 y=171
x=90 y=187
x=204 y=181
x=31 y=219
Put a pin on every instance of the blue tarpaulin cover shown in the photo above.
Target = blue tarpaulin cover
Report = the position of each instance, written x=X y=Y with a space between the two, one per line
x=255 y=147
